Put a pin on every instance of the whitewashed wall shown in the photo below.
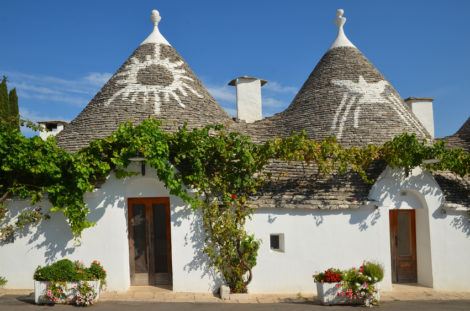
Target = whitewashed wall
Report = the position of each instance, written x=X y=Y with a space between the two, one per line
x=107 y=241
x=52 y=240
x=443 y=237
x=314 y=239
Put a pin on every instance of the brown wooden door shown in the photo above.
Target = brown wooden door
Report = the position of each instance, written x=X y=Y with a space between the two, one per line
x=149 y=241
x=403 y=246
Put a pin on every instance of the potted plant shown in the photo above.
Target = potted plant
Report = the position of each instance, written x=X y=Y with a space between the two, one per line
x=68 y=282
x=353 y=286
x=328 y=286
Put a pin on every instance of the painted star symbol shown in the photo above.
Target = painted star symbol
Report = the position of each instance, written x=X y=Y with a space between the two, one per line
x=370 y=92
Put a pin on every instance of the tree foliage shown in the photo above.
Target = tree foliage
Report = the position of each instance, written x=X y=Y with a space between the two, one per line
x=9 y=112
x=214 y=170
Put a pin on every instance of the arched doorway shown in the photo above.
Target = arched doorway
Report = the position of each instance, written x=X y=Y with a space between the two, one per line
x=410 y=240
x=403 y=245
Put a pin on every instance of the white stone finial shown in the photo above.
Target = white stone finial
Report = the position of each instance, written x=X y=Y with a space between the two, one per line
x=155 y=17
x=155 y=36
x=340 y=20
x=341 y=39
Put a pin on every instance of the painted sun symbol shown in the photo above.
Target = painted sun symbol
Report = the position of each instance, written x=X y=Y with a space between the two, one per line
x=153 y=80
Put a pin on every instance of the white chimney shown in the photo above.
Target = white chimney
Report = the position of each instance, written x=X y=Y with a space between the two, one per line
x=248 y=98
x=50 y=128
x=422 y=109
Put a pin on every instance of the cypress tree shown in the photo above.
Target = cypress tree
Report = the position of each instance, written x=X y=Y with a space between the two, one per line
x=4 y=101
x=14 y=110
x=9 y=112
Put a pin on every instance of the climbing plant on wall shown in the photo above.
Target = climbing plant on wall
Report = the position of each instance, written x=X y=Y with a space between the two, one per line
x=221 y=169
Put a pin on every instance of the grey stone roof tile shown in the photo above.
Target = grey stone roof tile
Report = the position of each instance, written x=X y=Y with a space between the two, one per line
x=456 y=189
x=461 y=139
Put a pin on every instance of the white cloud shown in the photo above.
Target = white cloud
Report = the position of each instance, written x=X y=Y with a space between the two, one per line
x=75 y=92
x=277 y=87
x=35 y=116
x=59 y=98
x=231 y=111
x=98 y=78
x=34 y=89
x=223 y=93
x=272 y=102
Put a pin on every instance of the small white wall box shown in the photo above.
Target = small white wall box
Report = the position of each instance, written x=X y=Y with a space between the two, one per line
x=276 y=242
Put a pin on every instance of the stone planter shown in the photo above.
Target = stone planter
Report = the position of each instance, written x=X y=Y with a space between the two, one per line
x=40 y=288
x=224 y=292
x=327 y=293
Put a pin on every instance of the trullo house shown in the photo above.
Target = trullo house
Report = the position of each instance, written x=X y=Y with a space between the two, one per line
x=416 y=226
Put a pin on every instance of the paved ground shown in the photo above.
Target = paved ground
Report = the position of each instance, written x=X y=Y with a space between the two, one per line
x=402 y=297
x=15 y=303
x=400 y=292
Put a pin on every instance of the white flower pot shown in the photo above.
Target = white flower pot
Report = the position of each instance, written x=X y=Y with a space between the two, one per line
x=327 y=293
x=40 y=289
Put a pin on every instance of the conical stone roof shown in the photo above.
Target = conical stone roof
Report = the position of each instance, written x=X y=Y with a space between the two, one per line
x=347 y=97
x=154 y=82
x=461 y=139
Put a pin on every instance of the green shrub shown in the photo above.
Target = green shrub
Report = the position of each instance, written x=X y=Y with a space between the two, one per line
x=97 y=271
x=3 y=281
x=373 y=270
x=352 y=276
x=60 y=271
x=67 y=271
x=82 y=273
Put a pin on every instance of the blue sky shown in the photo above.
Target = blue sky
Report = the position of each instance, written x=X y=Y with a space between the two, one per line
x=59 y=53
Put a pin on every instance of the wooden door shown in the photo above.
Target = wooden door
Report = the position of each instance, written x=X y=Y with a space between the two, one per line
x=403 y=246
x=149 y=241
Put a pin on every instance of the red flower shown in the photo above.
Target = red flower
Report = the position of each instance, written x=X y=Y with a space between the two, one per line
x=234 y=196
x=332 y=276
